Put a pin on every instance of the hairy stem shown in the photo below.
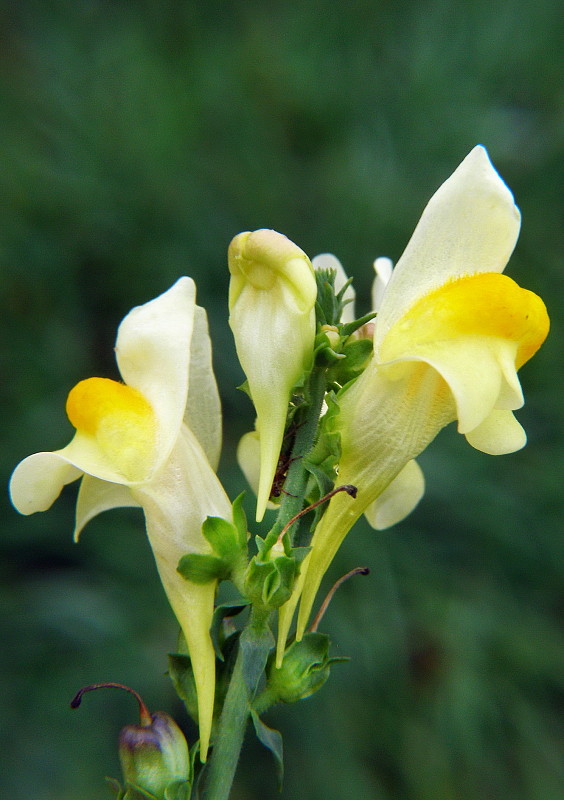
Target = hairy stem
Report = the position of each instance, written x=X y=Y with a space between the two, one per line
x=255 y=643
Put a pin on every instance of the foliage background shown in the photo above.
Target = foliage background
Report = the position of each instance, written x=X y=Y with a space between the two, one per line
x=136 y=139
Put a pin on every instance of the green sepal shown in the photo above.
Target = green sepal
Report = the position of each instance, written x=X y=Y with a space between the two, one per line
x=179 y=790
x=350 y=327
x=356 y=354
x=329 y=306
x=272 y=740
x=198 y=770
x=221 y=612
x=270 y=575
x=325 y=354
x=305 y=668
x=203 y=568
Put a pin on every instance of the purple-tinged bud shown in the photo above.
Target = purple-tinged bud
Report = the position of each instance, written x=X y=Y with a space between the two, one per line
x=153 y=754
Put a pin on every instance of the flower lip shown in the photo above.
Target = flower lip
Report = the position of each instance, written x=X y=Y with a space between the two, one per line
x=263 y=257
x=485 y=304
x=121 y=421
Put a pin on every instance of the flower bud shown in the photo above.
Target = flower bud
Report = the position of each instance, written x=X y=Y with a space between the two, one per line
x=272 y=315
x=154 y=755
x=304 y=670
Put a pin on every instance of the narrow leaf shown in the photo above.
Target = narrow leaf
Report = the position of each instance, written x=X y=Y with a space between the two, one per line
x=272 y=740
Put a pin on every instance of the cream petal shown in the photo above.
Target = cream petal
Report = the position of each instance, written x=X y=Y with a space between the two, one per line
x=383 y=268
x=470 y=225
x=96 y=496
x=203 y=408
x=329 y=261
x=38 y=480
x=511 y=393
x=153 y=352
x=471 y=368
x=398 y=499
x=176 y=502
x=498 y=434
x=273 y=363
x=248 y=458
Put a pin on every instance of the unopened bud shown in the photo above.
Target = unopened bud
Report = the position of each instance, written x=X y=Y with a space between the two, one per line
x=154 y=756
x=304 y=670
x=272 y=296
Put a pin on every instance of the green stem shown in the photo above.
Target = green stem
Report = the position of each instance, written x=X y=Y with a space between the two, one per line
x=297 y=477
x=254 y=645
x=256 y=640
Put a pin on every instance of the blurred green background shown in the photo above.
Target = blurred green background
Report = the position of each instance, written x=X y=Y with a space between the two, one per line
x=136 y=138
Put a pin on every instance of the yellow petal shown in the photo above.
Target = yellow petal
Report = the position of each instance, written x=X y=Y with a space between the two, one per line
x=487 y=304
x=498 y=434
x=384 y=424
x=476 y=332
x=203 y=406
x=120 y=420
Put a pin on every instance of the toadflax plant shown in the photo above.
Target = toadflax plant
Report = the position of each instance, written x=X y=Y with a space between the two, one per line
x=343 y=408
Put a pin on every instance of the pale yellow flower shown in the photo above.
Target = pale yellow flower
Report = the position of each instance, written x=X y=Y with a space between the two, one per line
x=450 y=335
x=152 y=441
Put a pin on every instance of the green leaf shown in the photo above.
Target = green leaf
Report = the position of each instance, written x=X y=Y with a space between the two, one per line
x=240 y=520
x=328 y=307
x=182 y=677
x=221 y=612
x=272 y=740
x=200 y=568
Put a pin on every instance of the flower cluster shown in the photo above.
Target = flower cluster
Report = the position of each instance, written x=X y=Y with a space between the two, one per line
x=451 y=331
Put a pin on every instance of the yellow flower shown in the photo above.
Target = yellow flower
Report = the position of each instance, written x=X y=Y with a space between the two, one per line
x=450 y=335
x=272 y=315
x=152 y=441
